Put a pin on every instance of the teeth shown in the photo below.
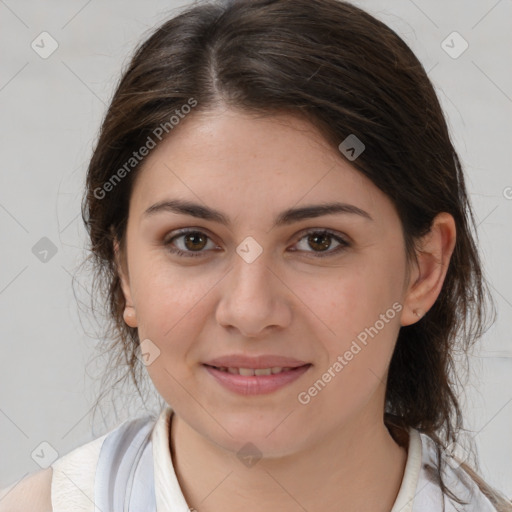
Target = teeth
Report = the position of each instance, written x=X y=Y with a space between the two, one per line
x=263 y=371
x=252 y=371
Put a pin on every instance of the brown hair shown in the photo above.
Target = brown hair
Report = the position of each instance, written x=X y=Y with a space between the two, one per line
x=345 y=72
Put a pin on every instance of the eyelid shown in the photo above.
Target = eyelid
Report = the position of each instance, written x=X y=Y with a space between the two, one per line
x=181 y=231
x=343 y=244
x=185 y=231
x=343 y=240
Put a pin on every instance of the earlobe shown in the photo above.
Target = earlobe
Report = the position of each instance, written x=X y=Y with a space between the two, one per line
x=434 y=254
x=129 y=316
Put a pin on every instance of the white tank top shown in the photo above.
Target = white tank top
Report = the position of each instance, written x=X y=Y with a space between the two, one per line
x=130 y=469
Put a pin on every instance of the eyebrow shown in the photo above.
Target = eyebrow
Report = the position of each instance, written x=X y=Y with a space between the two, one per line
x=286 y=217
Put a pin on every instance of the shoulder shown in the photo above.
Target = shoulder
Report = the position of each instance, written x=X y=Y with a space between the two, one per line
x=70 y=480
x=56 y=485
x=33 y=492
x=460 y=480
x=50 y=488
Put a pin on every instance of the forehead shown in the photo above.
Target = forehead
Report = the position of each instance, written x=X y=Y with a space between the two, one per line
x=241 y=162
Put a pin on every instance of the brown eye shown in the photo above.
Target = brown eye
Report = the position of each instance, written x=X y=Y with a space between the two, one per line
x=192 y=243
x=195 y=240
x=321 y=241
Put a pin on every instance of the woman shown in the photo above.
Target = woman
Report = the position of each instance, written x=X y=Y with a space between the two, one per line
x=282 y=228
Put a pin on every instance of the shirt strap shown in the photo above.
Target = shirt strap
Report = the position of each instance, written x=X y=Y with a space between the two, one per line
x=124 y=480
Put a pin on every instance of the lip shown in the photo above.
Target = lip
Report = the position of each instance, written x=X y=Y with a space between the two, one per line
x=257 y=362
x=256 y=384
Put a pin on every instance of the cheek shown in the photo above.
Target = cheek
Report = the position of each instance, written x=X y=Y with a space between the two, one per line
x=359 y=352
x=355 y=299
x=169 y=308
x=167 y=296
x=360 y=313
x=170 y=313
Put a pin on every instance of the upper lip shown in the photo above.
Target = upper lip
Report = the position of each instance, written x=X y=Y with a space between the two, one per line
x=263 y=361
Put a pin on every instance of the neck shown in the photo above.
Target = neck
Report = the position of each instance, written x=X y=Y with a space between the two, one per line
x=357 y=467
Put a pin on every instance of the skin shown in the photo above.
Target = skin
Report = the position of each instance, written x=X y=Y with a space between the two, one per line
x=335 y=452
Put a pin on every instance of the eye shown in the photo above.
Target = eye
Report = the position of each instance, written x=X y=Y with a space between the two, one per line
x=194 y=241
x=319 y=239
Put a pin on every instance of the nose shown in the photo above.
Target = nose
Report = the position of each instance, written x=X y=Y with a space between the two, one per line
x=254 y=298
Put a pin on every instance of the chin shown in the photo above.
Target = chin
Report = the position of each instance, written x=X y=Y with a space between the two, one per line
x=260 y=442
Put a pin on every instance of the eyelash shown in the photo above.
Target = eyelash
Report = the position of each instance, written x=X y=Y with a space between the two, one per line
x=318 y=254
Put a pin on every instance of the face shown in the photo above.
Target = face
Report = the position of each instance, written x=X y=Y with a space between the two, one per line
x=325 y=290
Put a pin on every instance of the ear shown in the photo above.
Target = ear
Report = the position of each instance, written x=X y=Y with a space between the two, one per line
x=129 y=313
x=426 y=282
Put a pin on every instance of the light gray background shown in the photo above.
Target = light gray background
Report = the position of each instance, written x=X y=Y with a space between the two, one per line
x=50 y=113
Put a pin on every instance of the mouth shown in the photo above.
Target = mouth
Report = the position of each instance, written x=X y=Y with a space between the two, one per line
x=255 y=371
x=255 y=381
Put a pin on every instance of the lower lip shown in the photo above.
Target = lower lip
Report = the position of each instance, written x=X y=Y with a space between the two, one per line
x=256 y=384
